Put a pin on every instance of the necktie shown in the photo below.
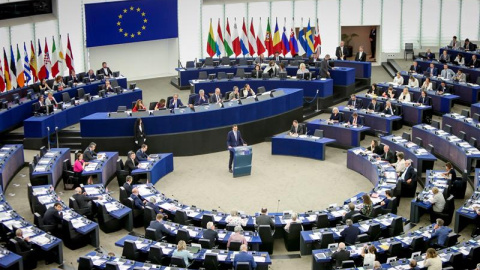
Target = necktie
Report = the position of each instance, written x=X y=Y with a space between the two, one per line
x=354 y=121
x=236 y=139
x=354 y=103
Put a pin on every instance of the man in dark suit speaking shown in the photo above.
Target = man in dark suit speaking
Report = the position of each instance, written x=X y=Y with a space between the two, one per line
x=105 y=70
x=234 y=139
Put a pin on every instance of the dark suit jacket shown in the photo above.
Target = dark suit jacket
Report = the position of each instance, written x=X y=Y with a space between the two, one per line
x=52 y=217
x=73 y=78
x=445 y=89
x=141 y=156
x=137 y=202
x=257 y=74
x=139 y=135
x=430 y=55
x=24 y=245
x=231 y=141
x=83 y=200
x=324 y=67
x=350 y=234
x=338 y=52
x=390 y=110
x=155 y=207
x=358 y=103
x=91 y=76
x=265 y=220
x=102 y=71
x=470 y=47
x=424 y=100
x=475 y=64
x=434 y=72
x=350 y=214
x=159 y=229
x=418 y=69
x=359 y=120
x=389 y=156
x=200 y=101
x=130 y=165
x=213 y=98
x=128 y=188
x=299 y=129
x=444 y=57
x=361 y=59
x=377 y=107
x=210 y=235
x=410 y=174
x=172 y=106
x=244 y=257
x=89 y=155
x=340 y=256
x=337 y=117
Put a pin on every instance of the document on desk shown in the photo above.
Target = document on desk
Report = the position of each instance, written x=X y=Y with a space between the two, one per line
x=259 y=258
x=17 y=223
x=169 y=206
x=40 y=191
x=6 y=215
x=40 y=168
x=40 y=240
x=92 y=166
x=315 y=236
x=44 y=161
x=248 y=238
x=28 y=232
x=140 y=244
x=111 y=207
x=192 y=213
x=143 y=165
x=428 y=127
x=339 y=213
x=221 y=236
x=78 y=223
x=125 y=266
x=217 y=218
x=192 y=233
x=91 y=190
x=97 y=261
x=320 y=256
x=51 y=154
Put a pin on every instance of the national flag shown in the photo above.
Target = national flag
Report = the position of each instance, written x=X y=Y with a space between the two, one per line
x=41 y=62
x=301 y=40
x=318 y=40
x=61 y=57
x=244 y=39
x=6 y=72
x=309 y=39
x=237 y=49
x=277 y=45
x=26 y=65
x=220 y=48
x=228 y=40
x=260 y=39
x=45 y=69
x=252 y=43
x=268 y=39
x=20 y=75
x=2 y=79
x=33 y=62
x=285 y=43
x=55 y=70
x=13 y=68
x=211 y=47
x=69 y=56
x=293 y=41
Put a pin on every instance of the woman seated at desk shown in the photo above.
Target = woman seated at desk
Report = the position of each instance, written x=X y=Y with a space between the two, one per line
x=303 y=72
x=336 y=116
x=400 y=164
x=459 y=59
x=398 y=79
x=43 y=86
x=427 y=84
x=182 y=251
x=375 y=148
x=257 y=72
x=373 y=90
x=78 y=168
x=405 y=96
x=139 y=106
x=160 y=104
x=412 y=81
x=281 y=68
x=271 y=69
x=247 y=91
x=58 y=84
x=389 y=93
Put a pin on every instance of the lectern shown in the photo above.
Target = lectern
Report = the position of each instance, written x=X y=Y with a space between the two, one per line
x=242 y=160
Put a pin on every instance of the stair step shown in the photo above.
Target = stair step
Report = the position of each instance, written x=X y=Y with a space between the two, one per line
x=388 y=68
x=394 y=65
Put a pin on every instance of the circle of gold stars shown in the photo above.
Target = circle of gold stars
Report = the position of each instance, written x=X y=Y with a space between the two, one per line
x=124 y=13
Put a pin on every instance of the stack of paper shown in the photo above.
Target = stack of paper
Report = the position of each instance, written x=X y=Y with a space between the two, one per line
x=78 y=223
x=92 y=166
x=143 y=165
x=259 y=258
x=111 y=207
x=40 y=191
x=40 y=240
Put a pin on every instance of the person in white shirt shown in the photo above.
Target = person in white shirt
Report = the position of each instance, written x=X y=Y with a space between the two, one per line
x=447 y=73
x=271 y=69
x=432 y=260
x=412 y=82
x=454 y=42
x=438 y=201
x=235 y=220
x=400 y=164
x=368 y=254
x=405 y=96
x=459 y=59
x=427 y=85
x=398 y=79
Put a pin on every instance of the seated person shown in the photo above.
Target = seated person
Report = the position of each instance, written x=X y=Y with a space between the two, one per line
x=444 y=57
x=159 y=227
x=84 y=201
x=210 y=233
x=389 y=109
x=350 y=233
x=152 y=204
x=442 y=88
x=160 y=105
x=468 y=46
x=237 y=236
x=247 y=91
x=137 y=201
x=405 y=96
x=50 y=100
x=412 y=82
x=424 y=99
x=474 y=63
x=460 y=76
x=373 y=90
x=390 y=93
x=454 y=43
x=141 y=154
x=23 y=242
x=352 y=211
x=432 y=70
x=131 y=163
x=398 y=79
x=182 y=251
x=281 y=68
x=257 y=72
x=340 y=255
x=139 y=106
x=244 y=256
x=58 y=83
x=259 y=60
x=296 y=129
x=54 y=216
x=400 y=164
x=355 y=120
x=217 y=97
x=128 y=185
x=201 y=99
x=367 y=207
x=361 y=55
x=89 y=153
x=271 y=69
x=429 y=55
x=235 y=219
x=375 y=148
x=175 y=102
x=388 y=155
x=459 y=60
x=353 y=103
x=415 y=68
x=439 y=233
x=336 y=116
x=374 y=106
x=387 y=200
x=91 y=75
x=108 y=86
x=427 y=85
x=41 y=105
x=293 y=220
x=43 y=86
x=73 y=77
x=234 y=95
x=447 y=73
x=105 y=70
x=303 y=72
x=79 y=167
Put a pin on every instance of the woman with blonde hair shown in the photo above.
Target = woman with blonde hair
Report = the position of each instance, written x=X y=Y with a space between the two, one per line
x=433 y=261
x=182 y=251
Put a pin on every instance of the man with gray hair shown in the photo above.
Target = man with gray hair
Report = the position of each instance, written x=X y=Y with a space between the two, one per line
x=478 y=267
x=350 y=233
x=201 y=99
x=244 y=256
x=237 y=236
x=440 y=233
x=210 y=233
x=152 y=204
x=341 y=255
x=294 y=220
x=264 y=219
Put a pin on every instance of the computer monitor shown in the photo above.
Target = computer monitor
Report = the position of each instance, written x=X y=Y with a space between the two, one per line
x=132 y=86
x=101 y=93
x=86 y=97
x=3 y=103
x=282 y=75
x=66 y=97
x=121 y=108
x=230 y=76
x=86 y=80
x=116 y=74
x=114 y=83
x=265 y=76
x=100 y=76
x=30 y=94
x=248 y=75
x=211 y=76
x=118 y=90
x=49 y=109
x=60 y=106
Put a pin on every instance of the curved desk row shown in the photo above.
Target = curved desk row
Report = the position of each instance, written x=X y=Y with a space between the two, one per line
x=17 y=113
x=367 y=165
x=345 y=136
x=467 y=56
x=381 y=122
x=467 y=214
x=310 y=147
x=475 y=109
x=461 y=123
x=50 y=165
x=199 y=132
x=11 y=161
x=105 y=167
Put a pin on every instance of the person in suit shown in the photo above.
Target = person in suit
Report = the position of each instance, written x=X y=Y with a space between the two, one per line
x=350 y=233
x=405 y=96
x=313 y=59
x=335 y=117
x=264 y=219
x=175 y=102
x=277 y=58
x=444 y=57
x=244 y=256
x=247 y=91
x=424 y=99
x=389 y=109
x=139 y=133
x=84 y=201
x=439 y=233
x=234 y=139
x=388 y=155
x=257 y=72
x=355 y=120
x=375 y=148
x=141 y=154
x=23 y=242
x=373 y=90
x=235 y=94
x=409 y=175
x=152 y=204
x=415 y=68
x=54 y=216
x=389 y=93
x=73 y=77
x=89 y=153
x=91 y=75
x=442 y=88
x=413 y=82
x=296 y=129
x=454 y=43
x=474 y=63
x=109 y=88
x=260 y=59
x=131 y=163
x=41 y=108
x=159 y=227
x=353 y=103
x=351 y=213
x=341 y=51
x=387 y=200
x=432 y=70
x=128 y=185
x=325 y=67
x=271 y=69
x=361 y=55
x=137 y=201
x=217 y=97
x=201 y=99
x=460 y=76
x=468 y=46
x=373 y=41
x=398 y=79
x=374 y=106
x=447 y=73
x=340 y=255
x=105 y=70
x=210 y=233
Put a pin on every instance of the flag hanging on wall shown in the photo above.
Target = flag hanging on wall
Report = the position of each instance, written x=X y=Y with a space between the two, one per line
x=2 y=79
x=228 y=41
x=55 y=69
x=236 y=40
x=244 y=39
x=69 y=56
x=13 y=68
x=277 y=45
x=293 y=41
x=6 y=72
x=44 y=72
x=285 y=43
x=318 y=40
x=41 y=62
x=301 y=40
x=309 y=39
x=268 y=39
x=220 y=48
x=252 y=42
x=33 y=62
x=260 y=39
x=20 y=75
x=211 y=47
x=26 y=65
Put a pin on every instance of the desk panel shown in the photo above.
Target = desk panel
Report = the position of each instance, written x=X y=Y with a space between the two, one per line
x=475 y=109
x=54 y=169
x=376 y=122
x=285 y=144
x=458 y=124
x=345 y=136
x=11 y=160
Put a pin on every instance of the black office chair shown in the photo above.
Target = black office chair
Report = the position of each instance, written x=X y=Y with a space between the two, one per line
x=318 y=133
x=394 y=250
x=430 y=148
x=348 y=264
x=362 y=238
x=456 y=260
x=178 y=261
x=81 y=93
x=150 y=234
x=417 y=244
x=181 y=218
x=447 y=128
x=265 y=233
x=406 y=136
x=130 y=250
x=85 y=263
x=106 y=222
x=392 y=206
x=152 y=105
x=71 y=238
x=230 y=228
x=240 y=73
x=148 y=216
x=87 y=211
x=435 y=124
x=476 y=116
x=473 y=141
x=374 y=231
x=242 y=62
x=209 y=61
x=322 y=221
x=205 y=243
x=202 y=75
x=376 y=211
x=182 y=234
x=38 y=220
x=261 y=90
x=292 y=237
x=29 y=261
x=155 y=255
x=327 y=239
x=70 y=178
x=221 y=75
x=66 y=97
x=43 y=151
x=123 y=196
x=111 y=266
x=36 y=158
x=205 y=219
x=235 y=246
x=357 y=217
x=30 y=196
x=121 y=173
x=211 y=262
x=243 y=266
x=137 y=213
x=418 y=141
x=472 y=258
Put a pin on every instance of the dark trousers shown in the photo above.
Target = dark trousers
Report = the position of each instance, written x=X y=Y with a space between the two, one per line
x=373 y=45
x=230 y=161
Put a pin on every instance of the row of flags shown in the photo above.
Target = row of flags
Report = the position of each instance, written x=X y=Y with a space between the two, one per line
x=307 y=42
x=22 y=70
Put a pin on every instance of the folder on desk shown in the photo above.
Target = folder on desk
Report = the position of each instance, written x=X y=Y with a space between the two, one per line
x=320 y=256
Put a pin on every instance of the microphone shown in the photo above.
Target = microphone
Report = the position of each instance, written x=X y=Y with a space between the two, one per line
x=278 y=204
x=225 y=212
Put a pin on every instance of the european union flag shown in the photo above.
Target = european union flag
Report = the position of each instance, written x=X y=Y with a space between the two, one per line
x=130 y=21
